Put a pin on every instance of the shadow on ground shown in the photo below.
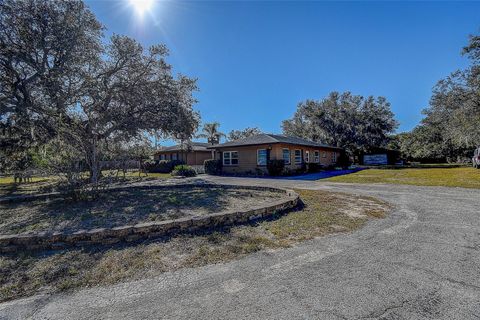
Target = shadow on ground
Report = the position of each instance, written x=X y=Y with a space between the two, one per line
x=305 y=177
x=320 y=175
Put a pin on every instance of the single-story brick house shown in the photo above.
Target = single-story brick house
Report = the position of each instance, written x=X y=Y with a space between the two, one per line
x=193 y=154
x=249 y=155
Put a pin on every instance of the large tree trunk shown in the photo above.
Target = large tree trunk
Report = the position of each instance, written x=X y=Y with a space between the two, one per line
x=94 y=163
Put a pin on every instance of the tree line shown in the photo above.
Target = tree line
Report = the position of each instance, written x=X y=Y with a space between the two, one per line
x=450 y=130
x=344 y=120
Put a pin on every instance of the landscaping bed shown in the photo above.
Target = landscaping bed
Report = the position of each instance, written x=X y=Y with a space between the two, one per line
x=128 y=206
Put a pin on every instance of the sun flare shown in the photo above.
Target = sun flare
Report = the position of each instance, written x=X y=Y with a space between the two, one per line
x=142 y=6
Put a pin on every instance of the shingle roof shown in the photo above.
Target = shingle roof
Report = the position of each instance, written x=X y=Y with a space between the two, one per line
x=196 y=146
x=265 y=138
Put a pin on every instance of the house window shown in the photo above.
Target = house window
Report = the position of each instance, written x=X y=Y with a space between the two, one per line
x=316 y=156
x=174 y=156
x=262 y=157
x=230 y=158
x=307 y=156
x=234 y=157
x=162 y=157
x=286 y=156
x=298 y=156
x=324 y=154
x=334 y=157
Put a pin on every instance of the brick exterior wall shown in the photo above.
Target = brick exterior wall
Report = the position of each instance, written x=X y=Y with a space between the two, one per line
x=193 y=158
x=247 y=157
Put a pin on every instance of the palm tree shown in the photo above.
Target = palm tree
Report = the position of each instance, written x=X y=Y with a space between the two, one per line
x=210 y=131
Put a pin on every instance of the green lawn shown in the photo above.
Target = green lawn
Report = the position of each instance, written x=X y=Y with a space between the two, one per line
x=464 y=177
x=9 y=180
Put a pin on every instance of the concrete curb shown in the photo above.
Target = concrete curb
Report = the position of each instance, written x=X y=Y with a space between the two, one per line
x=148 y=230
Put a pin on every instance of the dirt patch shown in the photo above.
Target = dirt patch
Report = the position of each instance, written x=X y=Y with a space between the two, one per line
x=126 y=207
x=362 y=207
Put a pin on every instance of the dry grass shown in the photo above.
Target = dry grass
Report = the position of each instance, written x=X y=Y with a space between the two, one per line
x=50 y=183
x=324 y=213
x=37 y=185
x=464 y=177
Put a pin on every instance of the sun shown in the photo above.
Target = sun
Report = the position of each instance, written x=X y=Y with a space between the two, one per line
x=142 y=6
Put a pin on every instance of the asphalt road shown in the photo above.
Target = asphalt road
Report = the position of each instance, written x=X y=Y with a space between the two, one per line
x=421 y=262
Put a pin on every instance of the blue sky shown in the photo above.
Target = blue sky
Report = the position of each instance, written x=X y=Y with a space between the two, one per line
x=256 y=60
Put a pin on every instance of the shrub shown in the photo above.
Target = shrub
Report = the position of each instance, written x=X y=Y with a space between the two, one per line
x=184 y=171
x=163 y=166
x=288 y=171
x=343 y=160
x=76 y=187
x=302 y=169
x=313 y=167
x=213 y=166
x=259 y=172
x=148 y=164
x=275 y=167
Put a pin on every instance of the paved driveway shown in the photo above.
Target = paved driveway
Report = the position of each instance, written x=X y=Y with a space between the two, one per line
x=421 y=262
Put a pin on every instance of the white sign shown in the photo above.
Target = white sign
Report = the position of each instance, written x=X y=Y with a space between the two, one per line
x=372 y=159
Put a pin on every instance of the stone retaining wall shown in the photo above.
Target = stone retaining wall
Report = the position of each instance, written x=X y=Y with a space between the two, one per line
x=148 y=230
